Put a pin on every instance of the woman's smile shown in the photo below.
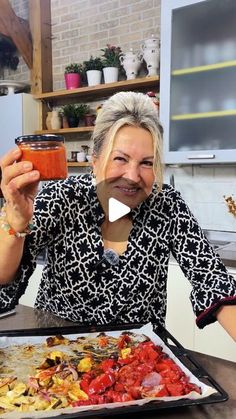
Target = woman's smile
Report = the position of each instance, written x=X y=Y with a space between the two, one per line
x=128 y=190
x=129 y=175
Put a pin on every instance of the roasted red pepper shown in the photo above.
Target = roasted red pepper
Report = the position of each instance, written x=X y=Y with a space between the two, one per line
x=107 y=364
x=114 y=396
x=101 y=383
x=86 y=380
x=103 y=341
x=123 y=341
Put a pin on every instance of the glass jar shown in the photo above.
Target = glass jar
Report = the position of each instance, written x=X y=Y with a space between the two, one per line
x=46 y=152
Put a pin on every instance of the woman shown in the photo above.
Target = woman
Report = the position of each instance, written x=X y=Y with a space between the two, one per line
x=71 y=219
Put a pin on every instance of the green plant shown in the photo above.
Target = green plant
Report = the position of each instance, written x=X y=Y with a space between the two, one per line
x=94 y=63
x=111 y=56
x=74 y=68
x=8 y=53
x=83 y=109
x=70 y=111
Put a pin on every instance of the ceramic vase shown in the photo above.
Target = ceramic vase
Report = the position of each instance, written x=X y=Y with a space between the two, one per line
x=55 y=120
x=110 y=74
x=131 y=62
x=94 y=77
x=48 y=121
x=151 y=55
x=72 y=81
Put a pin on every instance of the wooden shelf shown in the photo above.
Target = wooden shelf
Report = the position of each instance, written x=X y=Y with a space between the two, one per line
x=65 y=130
x=100 y=90
x=89 y=94
x=78 y=164
x=209 y=67
x=215 y=114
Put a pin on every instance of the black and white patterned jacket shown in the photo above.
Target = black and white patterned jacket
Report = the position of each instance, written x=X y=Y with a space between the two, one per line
x=68 y=220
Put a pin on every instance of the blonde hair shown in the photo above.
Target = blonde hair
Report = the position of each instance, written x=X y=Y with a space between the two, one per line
x=128 y=108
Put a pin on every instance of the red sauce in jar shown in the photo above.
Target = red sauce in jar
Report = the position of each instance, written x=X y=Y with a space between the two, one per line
x=47 y=154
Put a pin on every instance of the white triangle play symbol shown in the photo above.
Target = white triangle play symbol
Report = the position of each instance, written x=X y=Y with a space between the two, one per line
x=116 y=209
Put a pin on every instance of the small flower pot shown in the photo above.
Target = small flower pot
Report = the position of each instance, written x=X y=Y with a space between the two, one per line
x=94 y=77
x=72 y=122
x=89 y=120
x=65 y=122
x=72 y=81
x=81 y=156
x=110 y=74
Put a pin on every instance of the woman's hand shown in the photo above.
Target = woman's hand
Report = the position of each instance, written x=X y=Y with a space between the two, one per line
x=226 y=316
x=19 y=186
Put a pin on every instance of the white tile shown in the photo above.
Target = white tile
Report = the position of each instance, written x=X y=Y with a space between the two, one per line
x=182 y=173
x=202 y=213
x=203 y=188
x=225 y=172
x=221 y=218
x=202 y=172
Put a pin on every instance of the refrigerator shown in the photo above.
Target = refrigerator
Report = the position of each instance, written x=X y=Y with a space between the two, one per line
x=19 y=115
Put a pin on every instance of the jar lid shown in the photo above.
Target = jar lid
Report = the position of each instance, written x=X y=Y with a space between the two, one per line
x=39 y=138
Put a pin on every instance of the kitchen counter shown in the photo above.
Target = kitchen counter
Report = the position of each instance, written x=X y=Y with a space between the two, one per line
x=224 y=243
x=224 y=372
x=228 y=257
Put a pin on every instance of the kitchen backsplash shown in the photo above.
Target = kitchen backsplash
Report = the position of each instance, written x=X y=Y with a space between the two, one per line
x=203 y=188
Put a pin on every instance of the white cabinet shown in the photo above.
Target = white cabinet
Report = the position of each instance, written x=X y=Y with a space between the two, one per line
x=212 y=340
x=19 y=115
x=198 y=79
x=180 y=318
x=29 y=297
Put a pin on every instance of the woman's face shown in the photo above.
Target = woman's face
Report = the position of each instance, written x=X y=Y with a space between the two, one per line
x=129 y=175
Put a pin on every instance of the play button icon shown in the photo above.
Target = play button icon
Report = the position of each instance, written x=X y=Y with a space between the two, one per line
x=116 y=209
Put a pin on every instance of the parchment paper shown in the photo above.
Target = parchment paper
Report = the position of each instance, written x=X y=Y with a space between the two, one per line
x=146 y=330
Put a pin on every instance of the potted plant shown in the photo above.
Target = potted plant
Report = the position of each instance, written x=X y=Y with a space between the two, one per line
x=85 y=113
x=93 y=68
x=8 y=55
x=72 y=75
x=89 y=119
x=83 y=108
x=111 y=63
x=71 y=113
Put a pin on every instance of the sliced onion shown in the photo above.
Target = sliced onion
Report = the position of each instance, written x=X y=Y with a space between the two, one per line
x=44 y=394
x=152 y=379
x=74 y=372
x=33 y=382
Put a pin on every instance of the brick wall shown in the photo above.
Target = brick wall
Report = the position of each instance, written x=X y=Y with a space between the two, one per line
x=81 y=27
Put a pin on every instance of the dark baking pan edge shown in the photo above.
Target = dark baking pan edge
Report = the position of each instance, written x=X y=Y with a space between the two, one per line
x=179 y=351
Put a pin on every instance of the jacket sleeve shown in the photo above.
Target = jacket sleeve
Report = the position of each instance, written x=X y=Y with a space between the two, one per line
x=212 y=285
x=46 y=216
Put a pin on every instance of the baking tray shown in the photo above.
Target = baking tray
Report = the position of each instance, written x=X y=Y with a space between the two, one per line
x=179 y=351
